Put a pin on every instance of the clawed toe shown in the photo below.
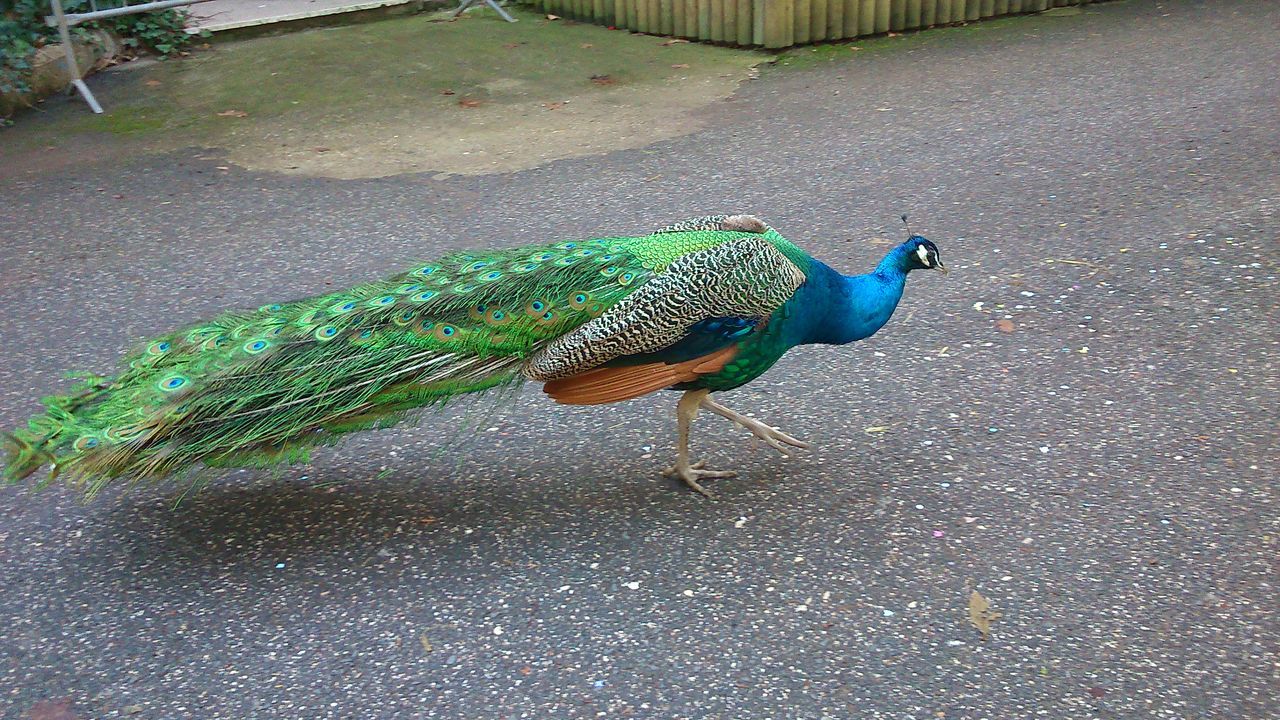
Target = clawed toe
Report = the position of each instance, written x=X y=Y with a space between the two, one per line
x=694 y=472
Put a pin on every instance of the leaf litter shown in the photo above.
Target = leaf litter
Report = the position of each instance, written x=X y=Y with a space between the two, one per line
x=981 y=615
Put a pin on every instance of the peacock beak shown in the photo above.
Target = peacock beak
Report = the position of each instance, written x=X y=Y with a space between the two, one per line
x=942 y=268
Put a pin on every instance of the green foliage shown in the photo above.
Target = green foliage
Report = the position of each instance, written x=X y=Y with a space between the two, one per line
x=23 y=31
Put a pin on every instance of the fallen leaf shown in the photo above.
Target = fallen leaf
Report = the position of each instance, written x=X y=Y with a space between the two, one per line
x=680 y=65
x=233 y=113
x=553 y=105
x=447 y=91
x=426 y=643
x=131 y=709
x=59 y=709
x=672 y=41
x=526 y=670
x=980 y=613
x=1097 y=692
x=603 y=80
x=553 y=17
x=586 y=46
x=469 y=103
x=874 y=429
x=153 y=83
x=511 y=46
x=321 y=149
x=1004 y=325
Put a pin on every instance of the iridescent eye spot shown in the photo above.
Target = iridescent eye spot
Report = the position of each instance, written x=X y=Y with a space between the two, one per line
x=326 y=332
x=497 y=316
x=490 y=276
x=567 y=261
x=382 y=301
x=365 y=334
x=586 y=252
x=88 y=442
x=274 y=307
x=538 y=305
x=445 y=332
x=425 y=271
x=477 y=265
x=524 y=268
x=406 y=289
x=344 y=307
x=405 y=317
x=159 y=348
x=626 y=278
x=256 y=346
x=464 y=288
x=173 y=382
x=542 y=257
x=548 y=315
x=424 y=296
x=609 y=271
x=579 y=298
x=569 y=245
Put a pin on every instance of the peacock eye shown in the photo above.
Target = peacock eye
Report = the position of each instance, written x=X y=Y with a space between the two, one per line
x=922 y=252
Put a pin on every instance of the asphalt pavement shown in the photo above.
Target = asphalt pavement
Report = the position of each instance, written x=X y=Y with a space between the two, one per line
x=1080 y=423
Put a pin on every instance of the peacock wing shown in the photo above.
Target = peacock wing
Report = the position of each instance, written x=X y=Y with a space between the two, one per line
x=745 y=277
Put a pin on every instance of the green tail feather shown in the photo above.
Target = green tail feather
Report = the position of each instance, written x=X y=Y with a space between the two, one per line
x=262 y=387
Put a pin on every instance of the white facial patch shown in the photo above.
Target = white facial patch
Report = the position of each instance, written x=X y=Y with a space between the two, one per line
x=923 y=254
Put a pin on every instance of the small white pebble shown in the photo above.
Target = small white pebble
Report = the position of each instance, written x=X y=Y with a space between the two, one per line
x=632 y=585
x=688 y=593
x=497 y=630
x=801 y=608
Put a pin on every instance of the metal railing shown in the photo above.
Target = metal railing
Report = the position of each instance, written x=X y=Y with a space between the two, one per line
x=64 y=21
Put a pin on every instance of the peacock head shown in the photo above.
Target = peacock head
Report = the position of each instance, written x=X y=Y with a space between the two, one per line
x=922 y=253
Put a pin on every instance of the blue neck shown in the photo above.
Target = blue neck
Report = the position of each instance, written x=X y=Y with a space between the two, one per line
x=836 y=309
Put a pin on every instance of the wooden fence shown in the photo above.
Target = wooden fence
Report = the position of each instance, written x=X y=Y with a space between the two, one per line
x=783 y=23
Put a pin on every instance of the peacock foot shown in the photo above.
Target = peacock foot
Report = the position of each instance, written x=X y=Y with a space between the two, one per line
x=772 y=437
x=777 y=439
x=693 y=472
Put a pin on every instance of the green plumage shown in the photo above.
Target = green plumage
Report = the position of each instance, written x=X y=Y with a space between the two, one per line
x=261 y=387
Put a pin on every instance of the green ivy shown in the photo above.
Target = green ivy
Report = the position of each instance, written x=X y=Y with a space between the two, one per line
x=23 y=31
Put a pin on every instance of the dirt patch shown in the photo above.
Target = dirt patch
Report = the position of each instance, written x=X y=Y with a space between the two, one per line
x=408 y=95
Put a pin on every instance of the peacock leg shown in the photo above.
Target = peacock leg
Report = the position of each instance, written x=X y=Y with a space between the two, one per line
x=775 y=439
x=691 y=473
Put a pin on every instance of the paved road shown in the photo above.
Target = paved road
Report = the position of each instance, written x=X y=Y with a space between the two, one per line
x=1107 y=182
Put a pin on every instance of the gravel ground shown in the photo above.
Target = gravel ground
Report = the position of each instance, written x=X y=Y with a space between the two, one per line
x=1080 y=422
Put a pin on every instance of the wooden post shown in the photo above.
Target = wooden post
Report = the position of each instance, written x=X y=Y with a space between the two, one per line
x=746 y=22
x=915 y=9
x=897 y=15
x=867 y=17
x=988 y=8
x=818 y=10
x=779 y=23
x=835 y=20
x=851 y=10
x=800 y=28
x=929 y=13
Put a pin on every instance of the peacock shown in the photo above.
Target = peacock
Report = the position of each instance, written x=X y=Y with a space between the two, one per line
x=703 y=305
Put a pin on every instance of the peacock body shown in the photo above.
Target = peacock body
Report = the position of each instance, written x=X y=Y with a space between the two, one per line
x=704 y=305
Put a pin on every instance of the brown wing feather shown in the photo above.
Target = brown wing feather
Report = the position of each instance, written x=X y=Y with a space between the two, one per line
x=615 y=384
